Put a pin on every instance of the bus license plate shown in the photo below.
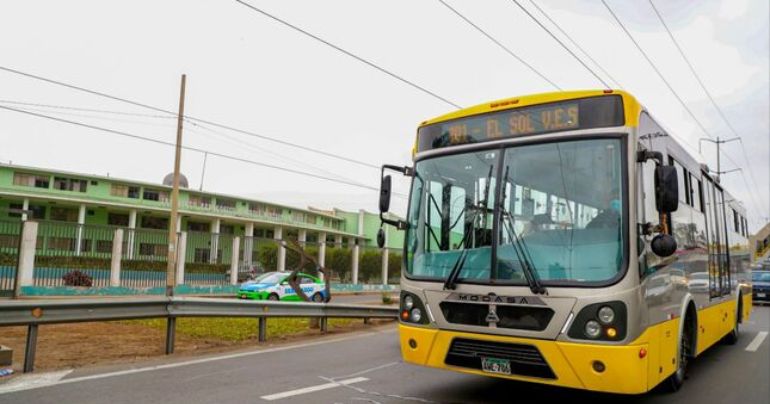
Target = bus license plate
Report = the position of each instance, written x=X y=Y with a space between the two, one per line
x=494 y=365
x=761 y=295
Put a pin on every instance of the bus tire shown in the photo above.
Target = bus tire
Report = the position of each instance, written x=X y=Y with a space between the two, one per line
x=273 y=297
x=686 y=351
x=732 y=337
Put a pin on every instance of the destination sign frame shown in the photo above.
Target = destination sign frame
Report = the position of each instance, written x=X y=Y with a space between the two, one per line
x=581 y=113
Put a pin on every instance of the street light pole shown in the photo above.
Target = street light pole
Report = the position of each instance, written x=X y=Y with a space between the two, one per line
x=718 y=142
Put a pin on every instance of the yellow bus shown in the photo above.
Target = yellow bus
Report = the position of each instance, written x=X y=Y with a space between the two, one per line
x=566 y=239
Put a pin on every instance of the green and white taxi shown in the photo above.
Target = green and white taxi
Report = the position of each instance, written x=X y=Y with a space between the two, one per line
x=275 y=286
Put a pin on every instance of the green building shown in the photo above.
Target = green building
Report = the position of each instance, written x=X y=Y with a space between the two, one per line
x=78 y=213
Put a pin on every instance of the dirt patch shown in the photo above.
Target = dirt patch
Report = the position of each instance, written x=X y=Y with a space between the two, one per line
x=83 y=344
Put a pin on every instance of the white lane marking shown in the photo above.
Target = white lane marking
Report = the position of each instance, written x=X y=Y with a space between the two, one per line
x=757 y=341
x=31 y=381
x=365 y=371
x=186 y=363
x=313 y=389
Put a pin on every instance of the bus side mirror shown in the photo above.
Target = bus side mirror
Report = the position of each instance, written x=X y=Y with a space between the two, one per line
x=666 y=189
x=385 y=186
x=663 y=245
x=381 y=237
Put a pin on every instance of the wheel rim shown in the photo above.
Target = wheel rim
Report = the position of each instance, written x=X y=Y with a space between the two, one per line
x=318 y=298
x=683 y=354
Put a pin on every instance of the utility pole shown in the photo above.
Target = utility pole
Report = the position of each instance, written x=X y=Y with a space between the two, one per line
x=718 y=142
x=172 y=239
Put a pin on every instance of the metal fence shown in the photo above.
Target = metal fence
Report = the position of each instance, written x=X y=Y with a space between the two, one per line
x=9 y=254
x=34 y=313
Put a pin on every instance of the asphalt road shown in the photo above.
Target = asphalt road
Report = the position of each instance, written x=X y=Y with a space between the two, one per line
x=366 y=368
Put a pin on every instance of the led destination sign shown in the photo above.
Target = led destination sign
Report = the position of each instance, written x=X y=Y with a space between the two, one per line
x=584 y=113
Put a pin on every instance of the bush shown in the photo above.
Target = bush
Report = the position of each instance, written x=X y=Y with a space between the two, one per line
x=387 y=298
x=77 y=278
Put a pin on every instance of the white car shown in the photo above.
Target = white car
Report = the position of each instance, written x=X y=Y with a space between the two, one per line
x=275 y=286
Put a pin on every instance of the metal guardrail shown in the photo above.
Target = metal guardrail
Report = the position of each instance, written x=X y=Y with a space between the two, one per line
x=34 y=313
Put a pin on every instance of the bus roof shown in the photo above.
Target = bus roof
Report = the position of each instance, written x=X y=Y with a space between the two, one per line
x=631 y=104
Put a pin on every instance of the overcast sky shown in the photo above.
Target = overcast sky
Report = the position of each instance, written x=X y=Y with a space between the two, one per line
x=250 y=72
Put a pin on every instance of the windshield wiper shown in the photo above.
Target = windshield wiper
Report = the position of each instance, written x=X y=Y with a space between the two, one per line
x=527 y=266
x=454 y=274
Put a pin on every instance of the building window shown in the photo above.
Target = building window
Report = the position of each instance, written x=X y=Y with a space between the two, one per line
x=223 y=203
x=202 y=255
x=31 y=180
x=61 y=243
x=103 y=246
x=198 y=226
x=158 y=250
x=64 y=214
x=226 y=229
x=125 y=191
x=199 y=200
x=117 y=219
x=153 y=222
x=70 y=184
x=155 y=195
x=37 y=211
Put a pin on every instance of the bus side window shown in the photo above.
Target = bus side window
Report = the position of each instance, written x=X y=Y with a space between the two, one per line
x=646 y=211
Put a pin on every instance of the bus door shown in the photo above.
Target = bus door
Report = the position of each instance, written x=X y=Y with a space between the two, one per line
x=715 y=231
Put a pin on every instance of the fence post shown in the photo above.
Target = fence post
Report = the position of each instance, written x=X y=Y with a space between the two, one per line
x=181 y=251
x=117 y=253
x=355 y=260
x=80 y=230
x=234 y=261
x=262 y=336
x=170 y=335
x=26 y=264
x=29 y=350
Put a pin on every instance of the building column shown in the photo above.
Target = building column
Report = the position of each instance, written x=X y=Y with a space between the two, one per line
x=302 y=236
x=278 y=235
x=321 y=251
x=356 y=247
x=117 y=253
x=181 y=257
x=338 y=240
x=81 y=222
x=131 y=233
x=234 y=261
x=248 y=244
x=214 y=251
x=25 y=208
x=25 y=276
x=384 y=252
x=354 y=258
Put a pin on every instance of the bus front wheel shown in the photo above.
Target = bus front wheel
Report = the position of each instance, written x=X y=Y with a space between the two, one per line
x=676 y=380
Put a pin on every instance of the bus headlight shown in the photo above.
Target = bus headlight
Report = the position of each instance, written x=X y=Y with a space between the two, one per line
x=416 y=315
x=606 y=315
x=604 y=321
x=408 y=302
x=412 y=309
x=593 y=329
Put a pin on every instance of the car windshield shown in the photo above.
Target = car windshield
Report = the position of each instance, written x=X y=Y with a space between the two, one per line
x=559 y=209
x=270 y=277
x=763 y=276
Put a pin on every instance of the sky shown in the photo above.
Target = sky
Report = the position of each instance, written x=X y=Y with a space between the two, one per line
x=248 y=71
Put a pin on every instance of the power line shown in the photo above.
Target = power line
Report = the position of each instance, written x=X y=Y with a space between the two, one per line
x=165 y=111
x=199 y=150
x=548 y=17
x=352 y=55
x=705 y=90
x=498 y=43
x=560 y=43
x=102 y=111
x=681 y=101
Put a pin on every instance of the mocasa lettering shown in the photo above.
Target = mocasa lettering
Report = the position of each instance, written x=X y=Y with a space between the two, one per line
x=495 y=299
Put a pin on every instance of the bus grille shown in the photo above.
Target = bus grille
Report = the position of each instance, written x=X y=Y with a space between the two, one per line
x=514 y=317
x=526 y=360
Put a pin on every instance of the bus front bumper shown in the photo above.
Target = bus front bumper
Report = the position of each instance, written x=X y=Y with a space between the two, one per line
x=573 y=364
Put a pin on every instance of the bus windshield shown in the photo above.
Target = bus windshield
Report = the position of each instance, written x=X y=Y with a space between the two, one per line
x=557 y=208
